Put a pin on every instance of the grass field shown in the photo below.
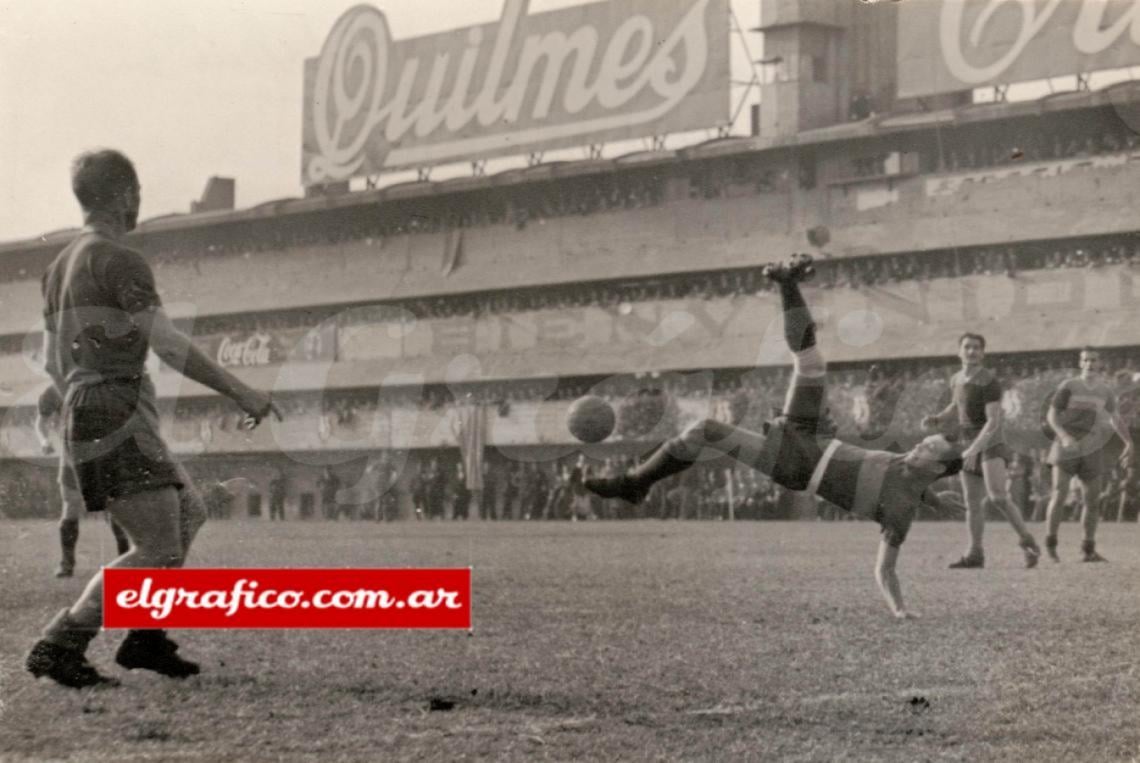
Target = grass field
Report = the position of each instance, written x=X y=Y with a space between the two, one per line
x=602 y=641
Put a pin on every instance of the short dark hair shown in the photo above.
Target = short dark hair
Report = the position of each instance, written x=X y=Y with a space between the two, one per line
x=953 y=466
x=968 y=335
x=1090 y=348
x=98 y=177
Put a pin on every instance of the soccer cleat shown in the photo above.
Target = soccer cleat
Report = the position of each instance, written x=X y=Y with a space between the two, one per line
x=67 y=667
x=152 y=650
x=1032 y=552
x=1090 y=555
x=622 y=486
x=1051 y=547
x=798 y=270
x=64 y=570
x=969 y=562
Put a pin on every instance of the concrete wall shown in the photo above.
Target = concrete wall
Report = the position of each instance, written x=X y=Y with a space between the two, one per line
x=1035 y=311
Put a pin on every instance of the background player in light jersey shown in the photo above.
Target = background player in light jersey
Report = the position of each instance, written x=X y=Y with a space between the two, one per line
x=799 y=452
x=976 y=396
x=1083 y=417
x=47 y=418
x=102 y=314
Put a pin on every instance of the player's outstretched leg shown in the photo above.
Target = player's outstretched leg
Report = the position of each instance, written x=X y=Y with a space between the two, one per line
x=679 y=453
x=799 y=326
x=671 y=457
x=122 y=542
x=806 y=400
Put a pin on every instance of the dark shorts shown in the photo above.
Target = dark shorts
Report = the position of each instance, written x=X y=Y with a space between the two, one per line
x=1088 y=466
x=998 y=450
x=791 y=448
x=112 y=442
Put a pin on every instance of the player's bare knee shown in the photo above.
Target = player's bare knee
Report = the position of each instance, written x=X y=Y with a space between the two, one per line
x=159 y=553
x=193 y=514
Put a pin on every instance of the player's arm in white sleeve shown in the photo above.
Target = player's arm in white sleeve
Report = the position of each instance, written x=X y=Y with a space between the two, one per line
x=888 y=580
x=43 y=436
x=944 y=502
x=51 y=359
x=53 y=370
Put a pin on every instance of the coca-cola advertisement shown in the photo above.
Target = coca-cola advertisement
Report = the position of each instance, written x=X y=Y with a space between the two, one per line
x=237 y=351
x=264 y=348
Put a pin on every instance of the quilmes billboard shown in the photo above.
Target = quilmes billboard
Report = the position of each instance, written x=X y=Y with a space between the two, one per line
x=947 y=45
x=526 y=83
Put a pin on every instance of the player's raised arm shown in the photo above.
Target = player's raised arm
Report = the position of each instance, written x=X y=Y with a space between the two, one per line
x=178 y=351
x=945 y=502
x=888 y=579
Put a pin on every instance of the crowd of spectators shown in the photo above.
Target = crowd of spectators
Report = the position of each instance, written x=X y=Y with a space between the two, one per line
x=848 y=272
x=865 y=399
x=985 y=145
x=853 y=272
x=516 y=205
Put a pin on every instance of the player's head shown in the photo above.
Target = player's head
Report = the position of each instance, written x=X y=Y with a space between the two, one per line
x=937 y=455
x=105 y=181
x=1090 y=362
x=971 y=348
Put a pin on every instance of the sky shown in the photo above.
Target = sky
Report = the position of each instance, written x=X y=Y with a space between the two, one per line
x=188 y=89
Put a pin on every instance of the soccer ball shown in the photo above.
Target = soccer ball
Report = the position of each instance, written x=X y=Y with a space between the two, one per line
x=590 y=419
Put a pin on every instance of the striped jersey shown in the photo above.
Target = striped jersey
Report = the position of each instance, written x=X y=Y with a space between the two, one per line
x=1084 y=407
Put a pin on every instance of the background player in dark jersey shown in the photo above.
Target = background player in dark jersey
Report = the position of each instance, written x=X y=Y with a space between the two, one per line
x=976 y=396
x=1083 y=417
x=799 y=452
x=47 y=416
x=102 y=314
